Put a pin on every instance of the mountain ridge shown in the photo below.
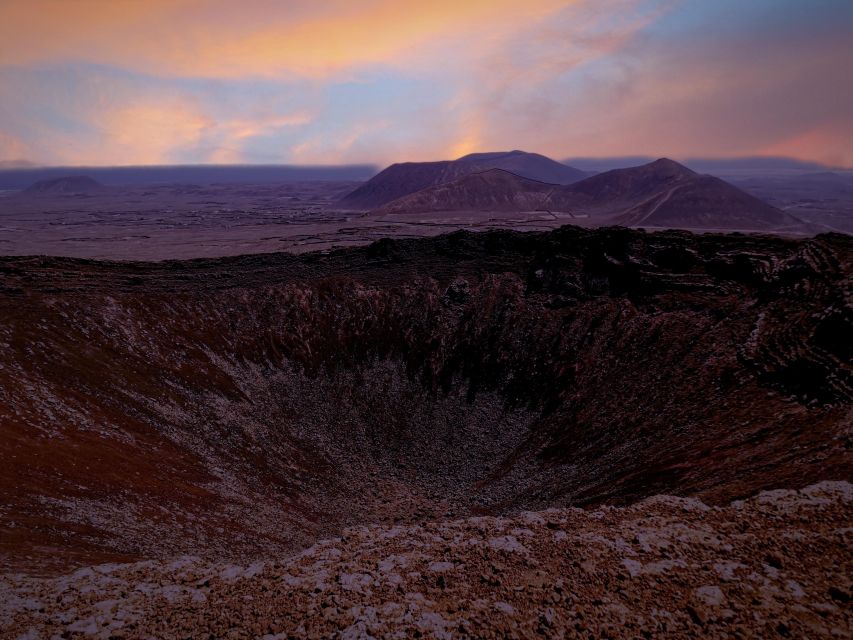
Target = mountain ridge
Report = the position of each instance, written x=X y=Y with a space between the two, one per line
x=660 y=193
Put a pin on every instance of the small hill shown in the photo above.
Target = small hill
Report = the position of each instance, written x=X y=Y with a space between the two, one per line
x=492 y=190
x=402 y=179
x=668 y=194
x=397 y=181
x=706 y=202
x=634 y=182
x=67 y=185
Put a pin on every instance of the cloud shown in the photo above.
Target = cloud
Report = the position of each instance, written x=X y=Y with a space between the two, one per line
x=97 y=81
x=219 y=38
x=232 y=137
x=150 y=133
x=829 y=144
x=338 y=149
x=521 y=81
x=165 y=131
x=95 y=115
x=13 y=148
x=721 y=94
x=679 y=79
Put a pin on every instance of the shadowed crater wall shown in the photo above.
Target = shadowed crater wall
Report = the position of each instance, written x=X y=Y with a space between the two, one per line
x=238 y=406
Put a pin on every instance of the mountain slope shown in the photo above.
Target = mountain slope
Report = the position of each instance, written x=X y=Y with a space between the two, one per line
x=492 y=190
x=401 y=179
x=632 y=184
x=660 y=193
x=397 y=181
x=710 y=203
x=665 y=193
x=527 y=165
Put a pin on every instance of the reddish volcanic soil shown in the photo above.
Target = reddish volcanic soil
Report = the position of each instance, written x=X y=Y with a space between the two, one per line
x=239 y=410
x=775 y=566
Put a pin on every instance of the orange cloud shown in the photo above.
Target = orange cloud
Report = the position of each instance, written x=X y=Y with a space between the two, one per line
x=337 y=149
x=240 y=129
x=727 y=96
x=427 y=80
x=829 y=144
x=215 y=38
x=13 y=148
x=152 y=132
x=141 y=133
x=149 y=132
x=467 y=46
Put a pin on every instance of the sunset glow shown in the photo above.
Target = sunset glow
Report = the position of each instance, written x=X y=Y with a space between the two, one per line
x=209 y=81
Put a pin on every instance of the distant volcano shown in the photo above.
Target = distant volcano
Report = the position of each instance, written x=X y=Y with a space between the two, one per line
x=68 y=185
x=493 y=190
x=662 y=193
x=400 y=180
x=665 y=193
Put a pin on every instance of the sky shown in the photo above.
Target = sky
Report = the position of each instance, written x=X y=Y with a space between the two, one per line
x=134 y=82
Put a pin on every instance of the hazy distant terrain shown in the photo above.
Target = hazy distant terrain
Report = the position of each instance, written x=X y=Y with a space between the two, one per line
x=820 y=197
x=87 y=216
x=191 y=221
x=173 y=221
x=17 y=176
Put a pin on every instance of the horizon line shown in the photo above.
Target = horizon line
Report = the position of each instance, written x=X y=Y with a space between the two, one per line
x=27 y=165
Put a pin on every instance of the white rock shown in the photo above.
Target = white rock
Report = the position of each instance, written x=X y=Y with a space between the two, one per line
x=711 y=595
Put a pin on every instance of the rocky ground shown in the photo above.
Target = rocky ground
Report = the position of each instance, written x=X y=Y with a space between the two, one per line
x=777 y=565
x=245 y=407
x=239 y=410
x=169 y=222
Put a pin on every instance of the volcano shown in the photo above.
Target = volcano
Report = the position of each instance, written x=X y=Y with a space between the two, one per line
x=492 y=190
x=662 y=193
x=400 y=180
x=65 y=186
x=665 y=193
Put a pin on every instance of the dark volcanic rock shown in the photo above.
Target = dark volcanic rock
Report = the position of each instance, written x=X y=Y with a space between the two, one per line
x=240 y=407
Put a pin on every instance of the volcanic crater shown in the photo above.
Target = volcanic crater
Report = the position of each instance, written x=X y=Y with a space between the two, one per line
x=238 y=407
